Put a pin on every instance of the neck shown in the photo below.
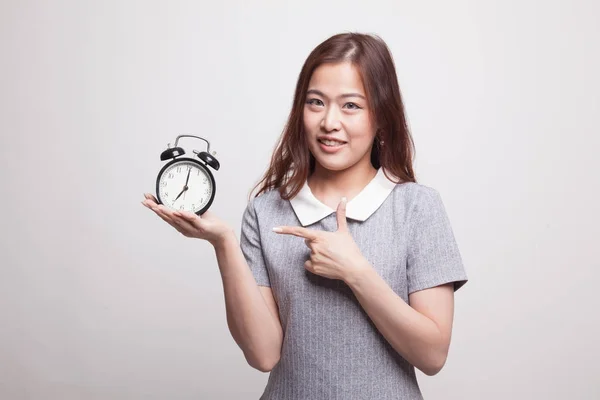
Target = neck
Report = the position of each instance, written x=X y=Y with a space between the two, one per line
x=330 y=186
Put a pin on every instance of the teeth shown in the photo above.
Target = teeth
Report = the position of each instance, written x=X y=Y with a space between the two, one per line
x=331 y=142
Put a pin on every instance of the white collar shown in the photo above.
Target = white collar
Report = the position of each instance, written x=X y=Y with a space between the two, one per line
x=309 y=209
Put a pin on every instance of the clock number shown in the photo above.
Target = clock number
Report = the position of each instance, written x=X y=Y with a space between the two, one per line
x=170 y=175
x=163 y=183
x=179 y=169
x=181 y=207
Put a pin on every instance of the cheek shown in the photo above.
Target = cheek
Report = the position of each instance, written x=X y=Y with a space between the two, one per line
x=361 y=132
x=311 y=121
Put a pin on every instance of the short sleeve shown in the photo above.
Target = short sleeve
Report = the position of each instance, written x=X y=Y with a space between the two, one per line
x=433 y=255
x=251 y=246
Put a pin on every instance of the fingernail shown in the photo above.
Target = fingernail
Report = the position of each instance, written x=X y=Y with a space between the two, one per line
x=277 y=229
x=344 y=199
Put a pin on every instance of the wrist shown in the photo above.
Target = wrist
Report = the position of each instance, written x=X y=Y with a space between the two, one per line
x=357 y=273
x=223 y=239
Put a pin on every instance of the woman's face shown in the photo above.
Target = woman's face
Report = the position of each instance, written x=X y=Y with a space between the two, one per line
x=337 y=120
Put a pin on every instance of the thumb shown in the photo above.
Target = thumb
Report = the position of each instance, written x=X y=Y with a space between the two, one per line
x=341 y=215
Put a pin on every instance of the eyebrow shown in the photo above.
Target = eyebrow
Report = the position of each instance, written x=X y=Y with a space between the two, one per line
x=319 y=93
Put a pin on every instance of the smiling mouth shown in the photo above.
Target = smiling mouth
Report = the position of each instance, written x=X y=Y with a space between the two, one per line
x=331 y=143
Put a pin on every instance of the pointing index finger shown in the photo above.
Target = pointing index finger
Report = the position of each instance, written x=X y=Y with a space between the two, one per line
x=297 y=231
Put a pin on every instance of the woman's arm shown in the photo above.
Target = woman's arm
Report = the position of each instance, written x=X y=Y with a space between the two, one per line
x=252 y=315
x=421 y=331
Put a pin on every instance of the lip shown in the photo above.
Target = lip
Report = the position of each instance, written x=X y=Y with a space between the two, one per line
x=330 y=138
x=331 y=150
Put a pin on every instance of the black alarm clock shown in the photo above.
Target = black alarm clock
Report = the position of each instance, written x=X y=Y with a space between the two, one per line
x=186 y=183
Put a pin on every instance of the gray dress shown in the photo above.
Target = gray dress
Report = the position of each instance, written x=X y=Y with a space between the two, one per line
x=331 y=348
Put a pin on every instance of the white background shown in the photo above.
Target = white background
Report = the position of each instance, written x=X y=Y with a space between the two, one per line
x=100 y=299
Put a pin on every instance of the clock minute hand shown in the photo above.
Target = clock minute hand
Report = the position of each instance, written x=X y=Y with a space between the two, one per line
x=188 y=177
x=185 y=187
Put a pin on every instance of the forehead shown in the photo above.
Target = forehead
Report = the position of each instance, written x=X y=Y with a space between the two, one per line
x=337 y=78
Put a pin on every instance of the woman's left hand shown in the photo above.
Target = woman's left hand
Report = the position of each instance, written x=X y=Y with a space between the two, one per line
x=333 y=255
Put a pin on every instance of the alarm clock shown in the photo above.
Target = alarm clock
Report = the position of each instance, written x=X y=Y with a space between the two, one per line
x=185 y=183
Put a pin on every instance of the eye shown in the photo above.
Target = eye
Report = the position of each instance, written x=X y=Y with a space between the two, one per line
x=352 y=106
x=315 y=102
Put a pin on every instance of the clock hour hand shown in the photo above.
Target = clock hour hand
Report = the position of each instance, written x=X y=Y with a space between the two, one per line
x=180 y=193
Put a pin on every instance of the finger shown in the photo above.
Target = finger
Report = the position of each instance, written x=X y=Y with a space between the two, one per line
x=148 y=202
x=310 y=244
x=184 y=226
x=191 y=218
x=187 y=215
x=164 y=214
x=308 y=265
x=180 y=225
x=341 y=215
x=171 y=214
x=297 y=231
x=161 y=214
x=150 y=197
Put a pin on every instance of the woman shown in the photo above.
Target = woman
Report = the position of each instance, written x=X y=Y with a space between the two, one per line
x=344 y=277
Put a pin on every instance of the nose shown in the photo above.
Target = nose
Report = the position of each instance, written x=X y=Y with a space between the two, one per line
x=331 y=120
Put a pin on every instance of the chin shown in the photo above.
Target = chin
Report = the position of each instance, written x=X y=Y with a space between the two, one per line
x=339 y=161
x=333 y=165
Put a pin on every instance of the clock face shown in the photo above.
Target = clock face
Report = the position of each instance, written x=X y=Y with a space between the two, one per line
x=184 y=185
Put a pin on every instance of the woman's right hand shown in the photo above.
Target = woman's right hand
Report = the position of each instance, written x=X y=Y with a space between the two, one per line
x=207 y=226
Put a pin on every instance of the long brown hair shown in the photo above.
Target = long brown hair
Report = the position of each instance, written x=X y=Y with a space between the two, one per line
x=292 y=162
